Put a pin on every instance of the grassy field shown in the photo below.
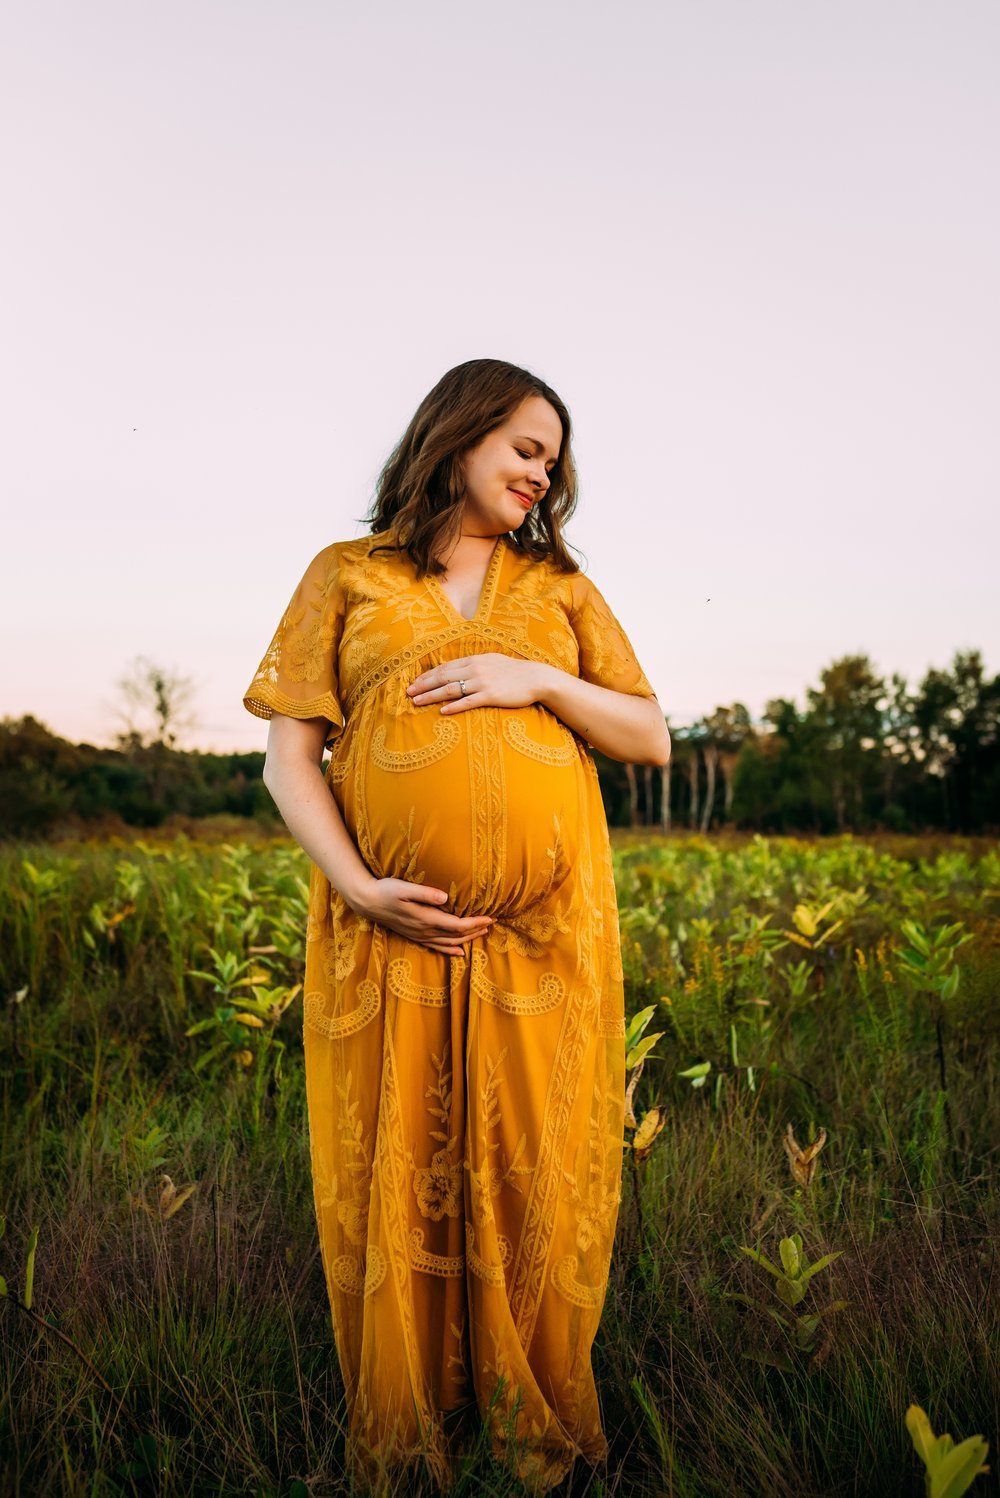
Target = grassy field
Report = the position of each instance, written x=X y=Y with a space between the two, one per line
x=177 y=1339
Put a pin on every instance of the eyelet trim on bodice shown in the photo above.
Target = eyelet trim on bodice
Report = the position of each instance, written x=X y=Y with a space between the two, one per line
x=490 y=633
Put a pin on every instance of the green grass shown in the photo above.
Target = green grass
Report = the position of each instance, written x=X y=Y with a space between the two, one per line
x=200 y=1357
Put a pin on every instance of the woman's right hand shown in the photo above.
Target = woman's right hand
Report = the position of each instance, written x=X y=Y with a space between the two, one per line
x=414 y=911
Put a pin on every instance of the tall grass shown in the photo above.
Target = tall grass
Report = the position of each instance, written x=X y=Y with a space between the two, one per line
x=196 y=1354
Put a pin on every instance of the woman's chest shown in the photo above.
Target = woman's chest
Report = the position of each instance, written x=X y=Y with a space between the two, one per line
x=394 y=626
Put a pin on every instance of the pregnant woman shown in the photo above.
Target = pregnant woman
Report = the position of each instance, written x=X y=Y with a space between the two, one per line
x=463 y=999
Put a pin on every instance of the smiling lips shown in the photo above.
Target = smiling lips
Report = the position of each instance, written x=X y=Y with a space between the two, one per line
x=523 y=498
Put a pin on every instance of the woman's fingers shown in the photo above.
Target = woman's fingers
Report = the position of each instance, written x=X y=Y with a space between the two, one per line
x=426 y=897
x=415 y=913
x=427 y=894
x=444 y=926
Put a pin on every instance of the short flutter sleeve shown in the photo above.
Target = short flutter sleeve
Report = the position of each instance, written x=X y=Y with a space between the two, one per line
x=298 y=675
x=606 y=654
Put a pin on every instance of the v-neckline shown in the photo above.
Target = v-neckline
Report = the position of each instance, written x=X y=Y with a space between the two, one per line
x=486 y=592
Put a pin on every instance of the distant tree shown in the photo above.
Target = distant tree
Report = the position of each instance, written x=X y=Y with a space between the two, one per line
x=33 y=792
x=957 y=721
x=155 y=714
x=725 y=731
x=847 y=711
x=685 y=755
x=900 y=751
x=790 y=784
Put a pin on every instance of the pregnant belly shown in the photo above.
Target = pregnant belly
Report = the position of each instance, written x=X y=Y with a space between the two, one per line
x=484 y=804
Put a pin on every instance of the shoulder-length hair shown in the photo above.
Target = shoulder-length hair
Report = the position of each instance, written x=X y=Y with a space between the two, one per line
x=420 y=493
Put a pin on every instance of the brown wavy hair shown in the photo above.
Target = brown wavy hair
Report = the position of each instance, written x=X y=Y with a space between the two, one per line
x=420 y=493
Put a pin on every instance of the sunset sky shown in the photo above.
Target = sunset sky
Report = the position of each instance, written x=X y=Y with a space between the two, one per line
x=754 y=248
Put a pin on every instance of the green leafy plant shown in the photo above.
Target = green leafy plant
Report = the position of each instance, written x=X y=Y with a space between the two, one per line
x=810 y=932
x=950 y=1469
x=636 y=1052
x=231 y=1023
x=928 y=961
x=801 y=1330
x=636 y=1048
x=928 y=964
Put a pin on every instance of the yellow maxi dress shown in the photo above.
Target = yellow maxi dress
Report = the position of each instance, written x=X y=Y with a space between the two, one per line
x=465 y=1114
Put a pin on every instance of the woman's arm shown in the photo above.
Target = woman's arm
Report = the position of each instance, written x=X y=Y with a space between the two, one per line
x=293 y=774
x=618 y=724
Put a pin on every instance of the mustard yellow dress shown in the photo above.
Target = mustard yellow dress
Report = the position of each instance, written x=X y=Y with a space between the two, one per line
x=465 y=1113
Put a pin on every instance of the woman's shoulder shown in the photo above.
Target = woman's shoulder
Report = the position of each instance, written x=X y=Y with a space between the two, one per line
x=356 y=549
x=545 y=572
x=358 y=571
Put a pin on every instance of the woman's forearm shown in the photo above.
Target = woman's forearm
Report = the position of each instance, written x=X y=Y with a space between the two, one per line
x=620 y=725
x=313 y=817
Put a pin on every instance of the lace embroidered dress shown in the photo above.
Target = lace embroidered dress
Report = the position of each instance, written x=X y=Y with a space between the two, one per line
x=466 y=1114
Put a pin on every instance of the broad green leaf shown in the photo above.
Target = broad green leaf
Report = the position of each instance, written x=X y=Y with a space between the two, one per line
x=789 y=1256
x=821 y=1264
x=637 y=1024
x=835 y=1305
x=207 y=1056
x=916 y=935
x=203 y=1024
x=642 y=1050
x=956 y=1471
x=193 y=972
x=759 y=1258
x=29 y=1269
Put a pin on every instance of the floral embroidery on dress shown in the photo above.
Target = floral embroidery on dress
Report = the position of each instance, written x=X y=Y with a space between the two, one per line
x=360 y=653
x=593 y=1184
x=409 y=870
x=528 y=932
x=306 y=651
x=460 y=1331
x=490 y=1179
x=438 y=1186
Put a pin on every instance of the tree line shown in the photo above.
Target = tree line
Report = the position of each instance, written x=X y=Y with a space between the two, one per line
x=862 y=754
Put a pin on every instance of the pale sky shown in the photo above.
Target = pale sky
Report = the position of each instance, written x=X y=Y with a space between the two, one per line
x=755 y=248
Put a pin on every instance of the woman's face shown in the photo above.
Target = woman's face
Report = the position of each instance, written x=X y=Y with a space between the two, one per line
x=519 y=455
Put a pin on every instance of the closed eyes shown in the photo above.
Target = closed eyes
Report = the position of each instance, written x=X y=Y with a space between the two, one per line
x=550 y=465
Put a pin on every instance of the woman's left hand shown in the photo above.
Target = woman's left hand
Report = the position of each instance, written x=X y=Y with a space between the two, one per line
x=491 y=680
